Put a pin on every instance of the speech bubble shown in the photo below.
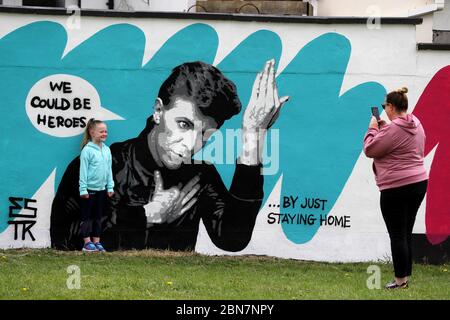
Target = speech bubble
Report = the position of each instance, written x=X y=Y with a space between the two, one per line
x=60 y=105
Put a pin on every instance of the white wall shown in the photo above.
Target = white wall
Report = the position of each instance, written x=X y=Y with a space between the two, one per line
x=387 y=55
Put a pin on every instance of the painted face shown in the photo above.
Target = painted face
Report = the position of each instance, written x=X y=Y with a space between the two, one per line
x=180 y=132
x=99 y=133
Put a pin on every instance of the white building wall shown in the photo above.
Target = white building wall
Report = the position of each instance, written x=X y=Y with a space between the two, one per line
x=441 y=19
x=159 y=5
x=424 y=31
x=388 y=8
x=140 y=5
x=425 y=9
x=11 y=2
x=94 y=4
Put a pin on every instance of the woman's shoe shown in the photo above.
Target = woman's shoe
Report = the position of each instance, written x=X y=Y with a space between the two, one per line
x=394 y=285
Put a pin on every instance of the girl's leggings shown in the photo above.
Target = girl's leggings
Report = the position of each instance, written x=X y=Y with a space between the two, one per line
x=91 y=214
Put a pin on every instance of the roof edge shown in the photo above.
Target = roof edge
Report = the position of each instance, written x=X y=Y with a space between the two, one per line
x=210 y=16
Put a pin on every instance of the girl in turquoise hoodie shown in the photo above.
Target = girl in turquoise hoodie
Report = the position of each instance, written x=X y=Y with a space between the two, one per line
x=96 y=183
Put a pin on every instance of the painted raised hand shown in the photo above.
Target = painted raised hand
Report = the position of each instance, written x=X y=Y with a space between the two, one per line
x=265 y=104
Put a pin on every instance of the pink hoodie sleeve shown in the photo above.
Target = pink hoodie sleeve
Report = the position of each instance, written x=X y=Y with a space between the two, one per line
x=378 y=142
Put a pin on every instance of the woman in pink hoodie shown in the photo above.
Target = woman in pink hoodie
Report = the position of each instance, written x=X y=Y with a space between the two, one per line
x=398 y=151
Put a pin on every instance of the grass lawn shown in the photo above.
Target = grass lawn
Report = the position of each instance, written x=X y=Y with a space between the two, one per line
x=160 y=275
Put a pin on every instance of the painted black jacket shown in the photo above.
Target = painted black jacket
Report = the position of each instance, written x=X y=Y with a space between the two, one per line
x=228 y=215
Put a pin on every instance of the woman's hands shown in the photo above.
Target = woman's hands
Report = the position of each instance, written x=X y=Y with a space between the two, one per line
x=376 y=124
x=170 y=204
x=262 y=111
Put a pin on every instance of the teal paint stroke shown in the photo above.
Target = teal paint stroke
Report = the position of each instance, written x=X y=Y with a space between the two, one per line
x=321 y=130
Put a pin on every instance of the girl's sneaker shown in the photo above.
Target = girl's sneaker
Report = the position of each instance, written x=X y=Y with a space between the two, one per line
x=90 y=247
x=99 y=247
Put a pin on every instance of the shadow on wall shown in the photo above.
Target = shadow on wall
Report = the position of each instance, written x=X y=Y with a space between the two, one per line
x=425 y=252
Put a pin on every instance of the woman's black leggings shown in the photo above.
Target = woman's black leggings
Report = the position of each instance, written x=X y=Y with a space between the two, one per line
x=91 y=214
x=399 y=207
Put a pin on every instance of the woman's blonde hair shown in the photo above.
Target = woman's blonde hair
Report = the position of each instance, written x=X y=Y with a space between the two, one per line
x=92 y=123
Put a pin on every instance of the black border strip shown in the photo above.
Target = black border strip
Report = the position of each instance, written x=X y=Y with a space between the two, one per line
x=209 y=16
x=433 y=46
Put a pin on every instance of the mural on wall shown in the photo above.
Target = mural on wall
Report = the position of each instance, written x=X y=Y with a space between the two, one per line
x=26 y=221
x=433 y=108
x=314 y=143
x=161 y=193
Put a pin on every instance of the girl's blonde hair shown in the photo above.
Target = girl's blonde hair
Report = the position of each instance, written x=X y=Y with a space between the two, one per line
x=87 y=135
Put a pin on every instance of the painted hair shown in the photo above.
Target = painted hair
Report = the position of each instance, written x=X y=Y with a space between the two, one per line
x=87 y=135
x=398 y=99
x=203 y=84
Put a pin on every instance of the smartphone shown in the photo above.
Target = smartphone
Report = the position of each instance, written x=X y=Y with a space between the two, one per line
x=375 y=113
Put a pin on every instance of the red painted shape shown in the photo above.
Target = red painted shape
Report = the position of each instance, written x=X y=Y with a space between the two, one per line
x=433 y=110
